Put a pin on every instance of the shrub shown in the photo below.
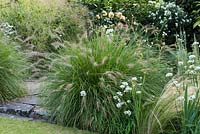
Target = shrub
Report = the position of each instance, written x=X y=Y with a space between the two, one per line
x=45 y=26
x=11 y=70
x=82 y=82
x=169 y=18
x=132 y=9
x=191 y=7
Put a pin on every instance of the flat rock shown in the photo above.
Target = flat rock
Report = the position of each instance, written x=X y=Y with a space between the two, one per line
x=39 y=113
x=30 y=100
x=16 y=109
x=15 y=116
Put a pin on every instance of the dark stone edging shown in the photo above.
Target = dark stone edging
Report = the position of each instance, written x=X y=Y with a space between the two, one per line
x=28 y=106
x=24 y=110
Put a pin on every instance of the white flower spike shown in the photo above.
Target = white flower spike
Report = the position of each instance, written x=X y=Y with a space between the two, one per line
x=192 y=97
x=128 y=112
x=115 y=97
x=128 y=101
x=122 y=86
x=169 y=75
x=119 y=93
x=127 y=89
x=191 y=57
x=138 y=92
x=197 y=68
x=125 y=83
x=134 y=78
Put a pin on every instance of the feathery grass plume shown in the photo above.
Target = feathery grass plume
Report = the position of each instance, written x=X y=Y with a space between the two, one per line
x=45 y=24
x=97 y=67
x=182 y=110
x=11 y=70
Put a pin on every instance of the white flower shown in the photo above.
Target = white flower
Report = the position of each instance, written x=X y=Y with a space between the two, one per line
x=134 y=79
x=151 y=2
x=119 y=105
x=139 y=84
x=192 y=97
x=125 y=83
x=108 y=31
x=179 y=39
x=191 y=66
x=195 y=43
x=128 y=101
x=170 y=5
x=180 y=98
x=83 y=93
x=164 y=34
x=119 y=93
x=105 y=26
x=135 y=23
x=167 y=13
x=191 y=57
x=128 y=112
x=127 y=89
x=115 y=97
x=138 y=92
x=169 y=75
x=175 y=82
x=119 y=100
x=157 y=5
x=190 y=61
x=178 y=85
x=192 y=72
x=180 y=63
x=122 y=86
x=197 y=68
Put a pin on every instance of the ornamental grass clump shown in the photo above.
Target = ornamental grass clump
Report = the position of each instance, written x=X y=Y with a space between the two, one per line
x=183 y=92
x=43 y=26
x=11 y=70
x=83 y=82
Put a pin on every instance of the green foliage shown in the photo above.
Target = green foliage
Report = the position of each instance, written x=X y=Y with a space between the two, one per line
x=169 y=18
x=188 y=71
x=11 y=70
x=45 y=26
x=197 y=14
x=190 y=119
x=132 y=9
x=82 y=81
